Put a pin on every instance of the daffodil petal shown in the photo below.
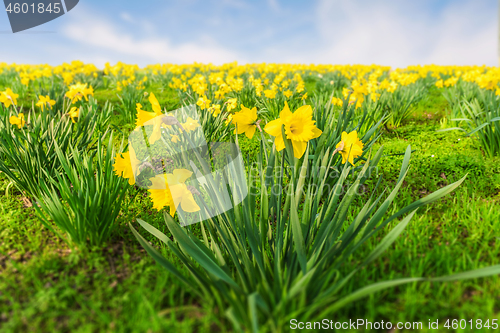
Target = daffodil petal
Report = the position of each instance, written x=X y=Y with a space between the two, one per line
x=250 y=131
x=188 y=203
x=299 y=148
x=279 y=143
x=274 y=127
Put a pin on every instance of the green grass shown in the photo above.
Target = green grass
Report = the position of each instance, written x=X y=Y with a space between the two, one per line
x=45 y=286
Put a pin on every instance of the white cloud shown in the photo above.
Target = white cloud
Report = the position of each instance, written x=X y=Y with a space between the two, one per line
x=399 y=34
x=102 y=37
x=126 y=17
x=274 y=5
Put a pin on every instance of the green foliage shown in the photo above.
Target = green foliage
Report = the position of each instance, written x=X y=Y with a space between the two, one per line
x=400 y=104
x=275 y=263
x=129 y=98
x=483 y=120
x=333 y=121
x=28 y=155
x=463 y=91
x=86 y=199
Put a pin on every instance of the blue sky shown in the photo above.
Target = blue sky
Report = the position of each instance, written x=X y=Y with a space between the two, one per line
x=387 y=32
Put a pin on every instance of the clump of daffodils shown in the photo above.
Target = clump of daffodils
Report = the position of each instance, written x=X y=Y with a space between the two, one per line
x=166 y=189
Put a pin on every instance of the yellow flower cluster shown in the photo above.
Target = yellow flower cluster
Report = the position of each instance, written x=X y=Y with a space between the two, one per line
x=166 y=189
x=78 y=91
x=17 y=120
x=8 y=97
x=44 y=101
x=214 y=87
x=125 y=75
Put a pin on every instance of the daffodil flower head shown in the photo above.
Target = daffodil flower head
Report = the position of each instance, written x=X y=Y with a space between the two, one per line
x=215 y=110
x=170 y=190
x=299 y=127
x=350 y=147
x=74 y=112
x=8 y=97
x=78 y=91
x=142 y=116
x=17 y=120
x=155 y=104
x=44 y=101
x=245 y=121
x=190 y=124
x=337 y=101
x=231 y=104
x=126 y=165
x=203 y=102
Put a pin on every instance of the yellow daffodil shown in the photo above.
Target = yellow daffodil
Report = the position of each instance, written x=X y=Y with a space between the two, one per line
x=374 y=96
x=245 y=121
x=143 y=116
x=350 y=147
x=215 y=110
x=78 y=91
x=299 y=128
x=18 y=121
x=74 y=112
x=170 y=190
x=270 y=93
x=8 y=97
x=126 y=165
x=190 y=124
x=175 y=138
x=160 y=193
x=156 y=134
x=45 y=100
x=337 y=101
x=5 y=100
x=155 y=104
x=203 y=102
x=392 y=87
x=451 y=81
x=231 y=104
